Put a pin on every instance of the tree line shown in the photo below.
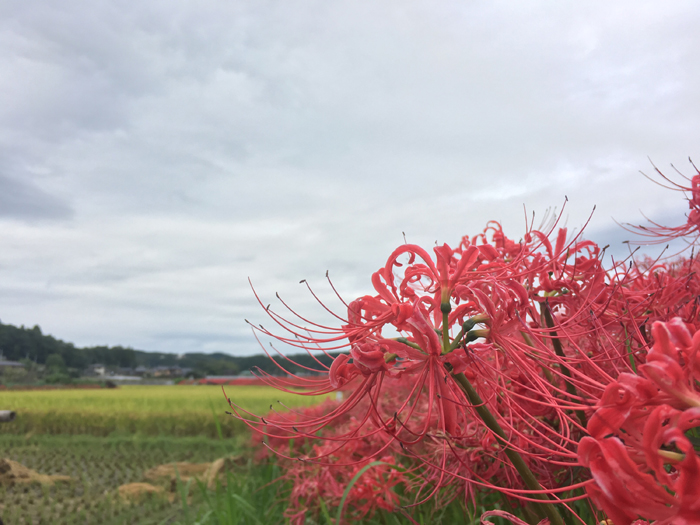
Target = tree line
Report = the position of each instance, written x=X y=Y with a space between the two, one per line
x=31 y=345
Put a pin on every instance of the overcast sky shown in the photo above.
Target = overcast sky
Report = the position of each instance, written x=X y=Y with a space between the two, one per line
x=156 y=154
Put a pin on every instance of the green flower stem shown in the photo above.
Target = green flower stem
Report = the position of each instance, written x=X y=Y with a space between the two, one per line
x=570 y=388
x=544 y=510
x=445 y=308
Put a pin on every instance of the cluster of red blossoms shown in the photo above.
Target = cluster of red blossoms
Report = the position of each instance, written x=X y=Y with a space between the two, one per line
x=524 y=368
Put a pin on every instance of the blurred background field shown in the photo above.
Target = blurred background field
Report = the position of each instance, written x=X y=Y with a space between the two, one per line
x=172 y=410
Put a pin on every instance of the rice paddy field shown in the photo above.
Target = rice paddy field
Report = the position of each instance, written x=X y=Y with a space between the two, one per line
x=189 y=410
x=84 y=456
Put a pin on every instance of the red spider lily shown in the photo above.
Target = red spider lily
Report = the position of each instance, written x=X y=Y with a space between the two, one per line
x=624 y=402
x=492 y=285
x=620 y=488
x=673 y=363
x=373 y=360
x=625 y=492
x=641 y=427
x=512 y=358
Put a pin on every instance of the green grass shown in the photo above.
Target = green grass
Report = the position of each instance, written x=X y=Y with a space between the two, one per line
x=260 y=499
x=144 y=410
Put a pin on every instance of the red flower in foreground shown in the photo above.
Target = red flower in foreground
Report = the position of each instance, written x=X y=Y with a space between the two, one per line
x=640 y=452
x=503 y=366
x=472 y=312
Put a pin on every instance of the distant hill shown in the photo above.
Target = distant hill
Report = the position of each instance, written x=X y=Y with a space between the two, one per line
x=18 y=343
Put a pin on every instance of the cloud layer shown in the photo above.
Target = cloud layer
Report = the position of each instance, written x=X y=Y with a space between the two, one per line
x=155 y=155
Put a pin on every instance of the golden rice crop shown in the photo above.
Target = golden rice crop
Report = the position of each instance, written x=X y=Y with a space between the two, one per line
x=149 y=410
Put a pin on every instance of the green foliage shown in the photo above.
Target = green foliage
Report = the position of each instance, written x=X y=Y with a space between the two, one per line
x=55 y=363
x=259 y=496
x=252 y=498
x=31 y=344
x=17 y=374
x=55 y=378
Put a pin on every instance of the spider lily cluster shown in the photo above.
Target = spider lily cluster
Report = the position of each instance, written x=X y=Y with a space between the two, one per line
x=524 y=368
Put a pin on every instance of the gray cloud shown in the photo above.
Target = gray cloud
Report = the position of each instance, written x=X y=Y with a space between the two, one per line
x=194 y=146
x=20 y=200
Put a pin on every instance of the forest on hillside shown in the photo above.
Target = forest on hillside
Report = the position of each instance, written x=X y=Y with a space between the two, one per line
x=32 y=345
